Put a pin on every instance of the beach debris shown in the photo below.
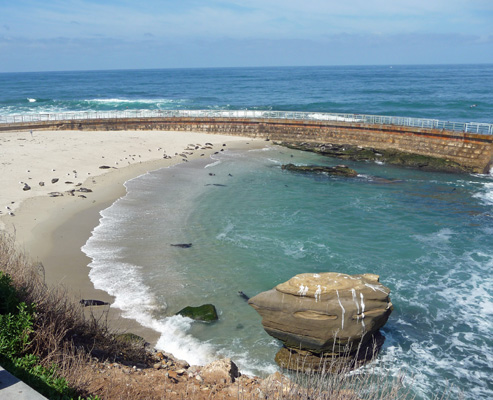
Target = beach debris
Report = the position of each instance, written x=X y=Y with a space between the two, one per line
x=55 y=194
x=90 y=302
x=205 y=312
x=315 y=314
x=182 y=245
x=54 y=180
x=26 y=187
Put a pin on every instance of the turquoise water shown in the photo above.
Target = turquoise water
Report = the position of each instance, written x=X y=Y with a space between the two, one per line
x=428 y=236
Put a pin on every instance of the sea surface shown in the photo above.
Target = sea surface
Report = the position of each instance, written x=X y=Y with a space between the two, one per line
x=252 y=225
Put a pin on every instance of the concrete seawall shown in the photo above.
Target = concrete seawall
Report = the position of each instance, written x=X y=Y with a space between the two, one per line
x=473 y=152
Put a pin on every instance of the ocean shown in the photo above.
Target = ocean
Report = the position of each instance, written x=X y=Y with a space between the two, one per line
x=253 y=225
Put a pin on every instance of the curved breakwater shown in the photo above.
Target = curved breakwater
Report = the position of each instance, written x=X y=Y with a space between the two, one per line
x=252 y=225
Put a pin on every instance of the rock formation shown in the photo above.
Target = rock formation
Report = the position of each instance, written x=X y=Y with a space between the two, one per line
x=205 y=312
x=339 y=170
x=387 y=156
x=327 y=314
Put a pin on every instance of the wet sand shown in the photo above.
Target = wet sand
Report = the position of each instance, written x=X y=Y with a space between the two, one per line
x=52 y=230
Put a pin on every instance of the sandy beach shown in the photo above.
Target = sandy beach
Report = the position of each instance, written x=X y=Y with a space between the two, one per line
x=67 y=165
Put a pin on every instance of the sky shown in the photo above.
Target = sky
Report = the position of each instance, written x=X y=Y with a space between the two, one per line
x=54 y=35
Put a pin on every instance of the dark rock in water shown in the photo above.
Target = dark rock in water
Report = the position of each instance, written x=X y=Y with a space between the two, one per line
x=339 y=170
x=243 y=296
x=205 y=312
x=87 y=303
x=387 y=156
x=54 y=180
x=333 y=362
x=182 y=245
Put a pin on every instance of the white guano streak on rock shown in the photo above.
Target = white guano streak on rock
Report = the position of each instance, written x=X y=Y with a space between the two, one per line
x=353 y=291
x=375 y=288
x=342 y=308
x=303 y=290
x=362 y=310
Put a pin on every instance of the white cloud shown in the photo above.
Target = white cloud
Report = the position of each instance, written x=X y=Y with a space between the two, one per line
x=254 y=19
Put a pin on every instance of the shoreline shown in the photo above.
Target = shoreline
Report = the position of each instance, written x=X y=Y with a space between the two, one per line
x=52 y=230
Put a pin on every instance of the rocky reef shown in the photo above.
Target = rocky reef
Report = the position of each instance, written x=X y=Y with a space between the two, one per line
x=388 y=156
x=325 y=315
x=338 y=170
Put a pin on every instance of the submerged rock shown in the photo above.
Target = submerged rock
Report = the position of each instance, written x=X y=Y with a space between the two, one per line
x=339 y=170
x=323 y=314
x=205 y=312
x=387 y=156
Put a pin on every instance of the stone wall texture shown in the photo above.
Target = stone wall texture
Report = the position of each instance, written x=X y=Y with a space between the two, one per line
x=474 y=151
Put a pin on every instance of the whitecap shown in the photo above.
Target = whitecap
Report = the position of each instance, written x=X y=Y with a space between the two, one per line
x=213 y=164
x=486 y=194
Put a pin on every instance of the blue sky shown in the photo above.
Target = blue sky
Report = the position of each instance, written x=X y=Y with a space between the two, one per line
x=119 y=34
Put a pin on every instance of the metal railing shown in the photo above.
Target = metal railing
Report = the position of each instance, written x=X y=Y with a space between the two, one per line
x=469 y=127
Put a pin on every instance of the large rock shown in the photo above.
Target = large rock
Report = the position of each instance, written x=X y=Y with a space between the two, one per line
x=328 y=313
x=220 y=371
x=205 y=312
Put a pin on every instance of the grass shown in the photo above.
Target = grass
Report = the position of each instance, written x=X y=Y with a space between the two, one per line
x=45 y=337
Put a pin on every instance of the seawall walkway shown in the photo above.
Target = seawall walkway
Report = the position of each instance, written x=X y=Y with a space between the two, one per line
x=468 y=145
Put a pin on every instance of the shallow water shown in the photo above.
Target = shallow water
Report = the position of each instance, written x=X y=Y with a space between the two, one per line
x=253 y=225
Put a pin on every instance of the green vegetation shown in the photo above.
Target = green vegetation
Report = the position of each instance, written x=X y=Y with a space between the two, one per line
x=16 y=326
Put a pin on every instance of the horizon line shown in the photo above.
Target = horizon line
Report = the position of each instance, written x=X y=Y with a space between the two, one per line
x=252 y=67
